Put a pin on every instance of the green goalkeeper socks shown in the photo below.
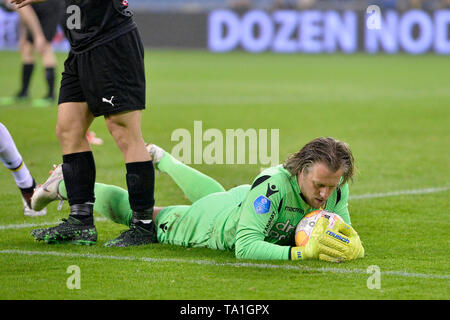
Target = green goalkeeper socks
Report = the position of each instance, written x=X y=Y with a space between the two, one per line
x=110 y=201
x=194 y=184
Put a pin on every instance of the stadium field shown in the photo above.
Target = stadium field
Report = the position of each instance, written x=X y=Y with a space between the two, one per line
x=394 y=111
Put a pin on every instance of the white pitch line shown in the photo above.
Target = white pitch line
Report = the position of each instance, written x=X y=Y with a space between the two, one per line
x=228 y=264
x=42 y=224
x=26 y=225
x=354 y=197
x=398 y=193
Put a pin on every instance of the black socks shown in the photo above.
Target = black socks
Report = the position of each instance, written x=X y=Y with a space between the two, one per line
x=50 y=77
x=83 y=212
x=141 y=184
x=79 y=178
x=27 y=71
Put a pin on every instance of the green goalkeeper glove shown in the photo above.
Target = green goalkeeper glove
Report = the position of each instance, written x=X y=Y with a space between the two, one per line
x=312 y=249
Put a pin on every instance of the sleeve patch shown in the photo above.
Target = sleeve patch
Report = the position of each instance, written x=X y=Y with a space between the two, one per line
x=261 y=205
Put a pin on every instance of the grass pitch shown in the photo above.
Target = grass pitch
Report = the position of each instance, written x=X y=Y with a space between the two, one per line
x=394 y=112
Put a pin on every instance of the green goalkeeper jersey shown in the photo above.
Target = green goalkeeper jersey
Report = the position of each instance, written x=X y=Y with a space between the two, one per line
x=256 y=221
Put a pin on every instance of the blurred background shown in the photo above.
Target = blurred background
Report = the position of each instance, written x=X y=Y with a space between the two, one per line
x=310 y=26
x=206 y=5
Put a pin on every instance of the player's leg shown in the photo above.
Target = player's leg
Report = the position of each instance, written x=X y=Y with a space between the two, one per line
x=49 y=14
x=12 y=160
x=49 y=63
x=194 y=184
x=26 y=71
x=74 y=118
x=26 y=53
x=140 y=177
x=78 y=168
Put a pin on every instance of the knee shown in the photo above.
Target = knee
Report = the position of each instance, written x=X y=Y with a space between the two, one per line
x=24 y=45
x=120 y=135
x=69 y=134
x=61 y=131
x=26 y=51
x=48 y=55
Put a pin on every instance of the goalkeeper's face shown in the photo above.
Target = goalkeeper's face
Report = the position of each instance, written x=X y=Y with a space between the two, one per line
x=317 y=183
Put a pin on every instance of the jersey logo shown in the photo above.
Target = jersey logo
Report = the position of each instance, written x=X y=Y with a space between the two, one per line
x=261 y=205
x=271 y=189
x=294 y=209
x=163 y=226
x=108 y=101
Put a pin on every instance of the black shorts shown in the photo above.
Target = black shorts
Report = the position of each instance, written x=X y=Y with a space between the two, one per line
x=49 y=14
x=110 y=77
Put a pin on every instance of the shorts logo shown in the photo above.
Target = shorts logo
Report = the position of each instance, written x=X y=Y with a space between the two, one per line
x=261 y=205
x=108 y=101
x=125 y=3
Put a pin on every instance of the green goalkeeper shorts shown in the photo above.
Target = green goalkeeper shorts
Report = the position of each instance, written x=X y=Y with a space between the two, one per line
x=209 y=222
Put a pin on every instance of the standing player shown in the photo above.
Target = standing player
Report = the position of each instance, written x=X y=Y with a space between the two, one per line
x=257 y=221
x=103 y=75
x=38 y=27
x=13 y=161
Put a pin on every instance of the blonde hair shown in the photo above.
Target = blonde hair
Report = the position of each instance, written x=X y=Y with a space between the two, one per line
x=333 y=153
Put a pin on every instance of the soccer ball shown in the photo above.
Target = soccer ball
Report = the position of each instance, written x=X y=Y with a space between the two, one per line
x=306 y=225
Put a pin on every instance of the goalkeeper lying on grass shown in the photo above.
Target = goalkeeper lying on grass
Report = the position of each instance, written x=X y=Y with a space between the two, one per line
x=257 y=221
